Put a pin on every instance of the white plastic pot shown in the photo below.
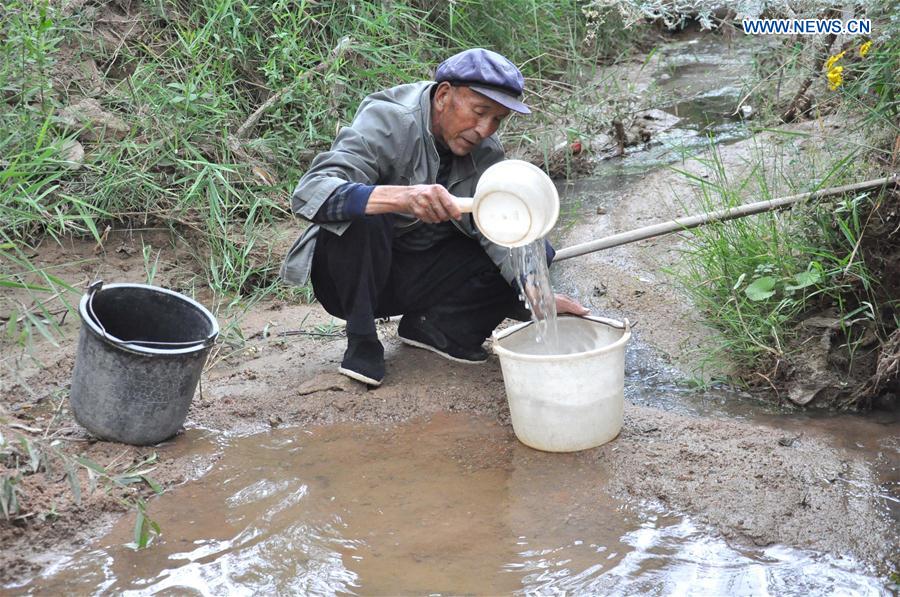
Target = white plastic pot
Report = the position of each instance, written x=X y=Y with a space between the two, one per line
x=565 y=402
x=515 y=203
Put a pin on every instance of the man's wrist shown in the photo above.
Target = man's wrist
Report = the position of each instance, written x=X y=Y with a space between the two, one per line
x=387 y=199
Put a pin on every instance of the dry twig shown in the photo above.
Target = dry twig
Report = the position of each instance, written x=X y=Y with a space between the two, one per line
x=235 y=141
x=794 y=108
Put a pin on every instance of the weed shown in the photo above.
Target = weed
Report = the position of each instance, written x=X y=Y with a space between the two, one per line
x=332 y=328
x=753 y=278
x=151 y=264
x=22 y=457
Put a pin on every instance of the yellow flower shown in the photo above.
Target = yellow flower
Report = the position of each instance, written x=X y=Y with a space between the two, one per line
x=864 y=49
x=835 y=77
x=834 y=59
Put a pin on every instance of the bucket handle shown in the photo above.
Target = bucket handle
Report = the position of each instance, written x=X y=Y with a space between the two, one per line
x=619 y=325
x=96 y=286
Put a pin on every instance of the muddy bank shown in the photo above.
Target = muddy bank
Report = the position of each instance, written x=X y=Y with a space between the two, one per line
x=755 y=484
x=52 y=523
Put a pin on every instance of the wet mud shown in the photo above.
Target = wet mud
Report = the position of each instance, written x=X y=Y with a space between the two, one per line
x=443 y=505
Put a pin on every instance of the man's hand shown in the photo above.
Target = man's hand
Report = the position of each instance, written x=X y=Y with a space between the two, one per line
x=430 y=203
x=566 y=304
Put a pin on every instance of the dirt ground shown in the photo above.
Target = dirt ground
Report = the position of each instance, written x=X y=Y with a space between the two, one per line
x=750 y=482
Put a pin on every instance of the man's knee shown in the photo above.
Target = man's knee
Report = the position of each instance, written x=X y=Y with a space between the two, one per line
x=366 y=244
x=349 y=270
x=362 y=230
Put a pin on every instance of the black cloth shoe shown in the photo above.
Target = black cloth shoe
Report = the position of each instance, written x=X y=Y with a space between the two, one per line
x=364 y=359
x=420 y=331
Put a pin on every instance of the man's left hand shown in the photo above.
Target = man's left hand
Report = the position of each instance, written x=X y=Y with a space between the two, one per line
x=566 y=304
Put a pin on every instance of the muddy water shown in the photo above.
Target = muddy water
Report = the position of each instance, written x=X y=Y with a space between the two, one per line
x=451 y=505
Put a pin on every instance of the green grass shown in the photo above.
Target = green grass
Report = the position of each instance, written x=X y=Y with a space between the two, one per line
x=184 y=76
x=754 y=278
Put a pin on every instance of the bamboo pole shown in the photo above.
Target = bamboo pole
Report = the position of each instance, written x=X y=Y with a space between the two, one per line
x=722 y=215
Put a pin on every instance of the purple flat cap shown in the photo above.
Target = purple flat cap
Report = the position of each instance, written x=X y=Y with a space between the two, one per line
x=488 y=73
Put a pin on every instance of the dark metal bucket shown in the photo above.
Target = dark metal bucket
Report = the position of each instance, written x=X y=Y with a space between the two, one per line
x=141 y=350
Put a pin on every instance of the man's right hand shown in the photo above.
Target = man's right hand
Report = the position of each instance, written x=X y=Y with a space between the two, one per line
x=430 y=203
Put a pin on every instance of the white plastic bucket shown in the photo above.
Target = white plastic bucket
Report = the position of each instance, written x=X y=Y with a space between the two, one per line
x=565 y=402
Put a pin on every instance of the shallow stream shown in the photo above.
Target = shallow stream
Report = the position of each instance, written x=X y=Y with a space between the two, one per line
x=450 y=505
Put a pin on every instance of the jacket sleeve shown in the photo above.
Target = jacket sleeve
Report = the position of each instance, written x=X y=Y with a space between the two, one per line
x=346 y=203
x=365 y=152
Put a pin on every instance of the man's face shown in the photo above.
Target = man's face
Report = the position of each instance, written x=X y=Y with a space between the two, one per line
x=463 y=118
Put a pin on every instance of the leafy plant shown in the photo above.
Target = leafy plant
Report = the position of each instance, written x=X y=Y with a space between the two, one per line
x=766 y=286
x=753 y=278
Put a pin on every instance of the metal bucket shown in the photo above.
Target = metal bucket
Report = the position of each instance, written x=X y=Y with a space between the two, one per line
x=141 y=350
x=571 y=401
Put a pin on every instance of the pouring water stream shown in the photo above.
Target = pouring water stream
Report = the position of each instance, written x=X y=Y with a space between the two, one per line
x=531 y=269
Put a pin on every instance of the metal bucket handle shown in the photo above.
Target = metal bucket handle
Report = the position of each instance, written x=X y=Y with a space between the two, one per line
x=620 y=325
x=94 y=287
x=625 y=325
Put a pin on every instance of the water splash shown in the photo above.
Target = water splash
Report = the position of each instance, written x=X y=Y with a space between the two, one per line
x=533 y=274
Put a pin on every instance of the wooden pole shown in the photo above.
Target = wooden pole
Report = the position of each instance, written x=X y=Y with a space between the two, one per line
x=722 y=215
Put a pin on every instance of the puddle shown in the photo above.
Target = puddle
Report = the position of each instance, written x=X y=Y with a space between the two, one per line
x=449 y=505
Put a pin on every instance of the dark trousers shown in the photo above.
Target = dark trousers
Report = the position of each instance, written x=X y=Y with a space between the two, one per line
x=360 y=275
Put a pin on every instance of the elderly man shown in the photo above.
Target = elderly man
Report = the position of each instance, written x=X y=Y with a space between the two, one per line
x=388 y=238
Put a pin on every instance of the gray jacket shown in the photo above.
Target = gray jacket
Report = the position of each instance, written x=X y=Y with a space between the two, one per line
x=388 y=143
